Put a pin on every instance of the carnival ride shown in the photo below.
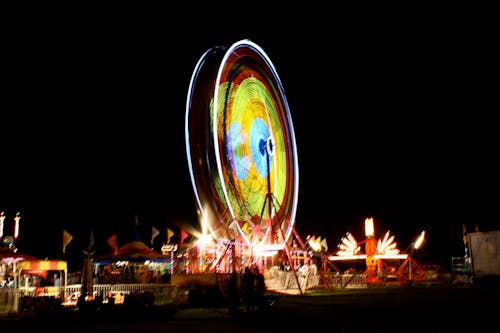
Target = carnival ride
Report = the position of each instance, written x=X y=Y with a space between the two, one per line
x=382 y=258
x=242 y=158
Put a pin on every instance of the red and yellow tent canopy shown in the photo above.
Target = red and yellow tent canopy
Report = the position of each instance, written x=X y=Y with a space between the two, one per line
x=47 y=265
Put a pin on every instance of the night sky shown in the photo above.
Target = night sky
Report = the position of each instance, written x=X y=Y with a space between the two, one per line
x=394 y=119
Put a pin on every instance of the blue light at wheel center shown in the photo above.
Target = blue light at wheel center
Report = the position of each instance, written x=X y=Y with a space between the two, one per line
x=259 y=136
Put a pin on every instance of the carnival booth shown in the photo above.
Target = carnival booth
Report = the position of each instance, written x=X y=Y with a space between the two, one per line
x=43 y=277
x=9 y=261
x=134 y=262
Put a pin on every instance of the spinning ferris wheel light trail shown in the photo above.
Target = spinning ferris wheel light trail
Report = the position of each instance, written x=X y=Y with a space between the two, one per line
x=241 y=147
x=241 y=152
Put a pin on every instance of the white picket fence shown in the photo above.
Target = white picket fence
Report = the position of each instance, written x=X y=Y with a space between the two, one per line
x=10 y=298
x=286 y=281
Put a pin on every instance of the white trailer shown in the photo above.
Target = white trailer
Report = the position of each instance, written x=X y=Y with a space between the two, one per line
x=484 y=253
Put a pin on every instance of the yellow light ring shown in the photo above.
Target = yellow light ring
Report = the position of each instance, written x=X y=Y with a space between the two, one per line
x=246 y=178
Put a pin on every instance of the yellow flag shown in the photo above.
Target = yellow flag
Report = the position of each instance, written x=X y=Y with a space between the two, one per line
x=170 y=233
x=67 y=238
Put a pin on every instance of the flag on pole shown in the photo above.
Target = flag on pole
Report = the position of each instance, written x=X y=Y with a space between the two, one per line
x=170 y=233
x=113 y=243
x=464 y=233
x=91 y=241
x=324 y=245
x=256 y=231
x=137 y=235
x=183 y=236
x=234 y=228
x=154 y=232
x=67 y=238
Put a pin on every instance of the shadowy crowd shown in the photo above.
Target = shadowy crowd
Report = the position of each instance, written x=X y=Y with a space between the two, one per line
x=253 y=286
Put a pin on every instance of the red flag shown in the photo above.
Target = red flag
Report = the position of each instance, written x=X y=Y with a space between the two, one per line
x=257 y=232
x=112 y=241
x=183 y=236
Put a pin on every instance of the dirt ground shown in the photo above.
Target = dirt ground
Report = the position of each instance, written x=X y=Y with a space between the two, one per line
x=375 y=309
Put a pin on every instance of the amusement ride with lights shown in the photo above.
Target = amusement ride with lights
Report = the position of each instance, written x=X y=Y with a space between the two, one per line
x=242 y=158
x=382 y=257
x=243 y=165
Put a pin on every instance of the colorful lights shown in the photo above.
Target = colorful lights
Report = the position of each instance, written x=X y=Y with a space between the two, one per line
x=387 y=245
x=17 y=218
x=241 y=147
x=369 y=228
x=348 y=247
x=2 y=219
x=419 y=241
x=384 y=248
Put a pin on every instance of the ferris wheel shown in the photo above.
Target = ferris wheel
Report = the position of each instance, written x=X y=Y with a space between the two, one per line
x=241 y=147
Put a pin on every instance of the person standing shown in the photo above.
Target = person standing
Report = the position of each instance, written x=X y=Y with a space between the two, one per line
x=260 y=290
x=233 y=296
x=248 y=284
x=57 y=284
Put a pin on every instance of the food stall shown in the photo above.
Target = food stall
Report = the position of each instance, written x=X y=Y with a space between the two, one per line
x=42 y=277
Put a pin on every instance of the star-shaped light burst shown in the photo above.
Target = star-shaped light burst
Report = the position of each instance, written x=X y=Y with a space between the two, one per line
x=348 y=246
x=387 y=245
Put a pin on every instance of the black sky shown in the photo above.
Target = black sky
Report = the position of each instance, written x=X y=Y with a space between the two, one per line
x=393 y=118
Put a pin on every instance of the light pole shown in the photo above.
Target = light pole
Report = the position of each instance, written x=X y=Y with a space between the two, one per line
x=2 y=219
x=415 y=246
x=17 y=218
